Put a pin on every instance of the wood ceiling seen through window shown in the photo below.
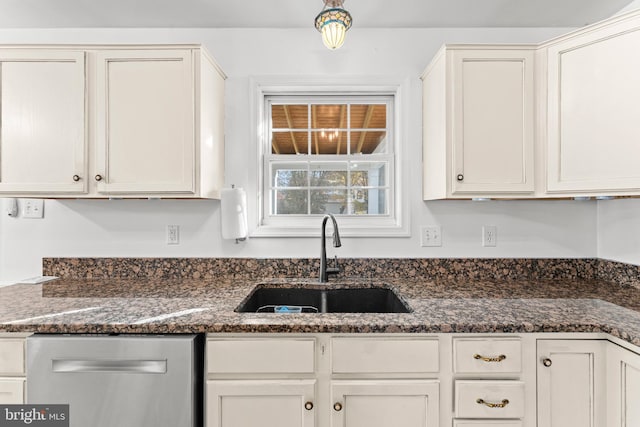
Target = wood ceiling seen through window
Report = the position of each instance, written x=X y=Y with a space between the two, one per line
x=329 y=128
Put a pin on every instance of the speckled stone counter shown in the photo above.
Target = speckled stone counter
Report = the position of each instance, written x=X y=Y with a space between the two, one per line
x=160 y=305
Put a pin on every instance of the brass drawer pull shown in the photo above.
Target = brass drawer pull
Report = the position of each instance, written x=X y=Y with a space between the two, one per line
x=502 y=404
x=490 y=359
x=337 y=406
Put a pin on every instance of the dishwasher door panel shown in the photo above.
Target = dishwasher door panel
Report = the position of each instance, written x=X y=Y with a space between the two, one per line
x=118 y=381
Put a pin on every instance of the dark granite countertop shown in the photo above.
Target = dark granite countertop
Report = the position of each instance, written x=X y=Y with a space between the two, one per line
x=149 y=305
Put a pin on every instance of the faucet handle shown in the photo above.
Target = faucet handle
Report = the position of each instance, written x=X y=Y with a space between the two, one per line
x=336 y=268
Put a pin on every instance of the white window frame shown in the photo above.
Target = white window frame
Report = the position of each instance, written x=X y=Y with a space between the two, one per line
x=395 y=224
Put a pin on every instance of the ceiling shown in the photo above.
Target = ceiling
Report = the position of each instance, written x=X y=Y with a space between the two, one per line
x=300 y=13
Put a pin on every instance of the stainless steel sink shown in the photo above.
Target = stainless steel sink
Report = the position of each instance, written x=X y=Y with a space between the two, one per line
x=267 y=299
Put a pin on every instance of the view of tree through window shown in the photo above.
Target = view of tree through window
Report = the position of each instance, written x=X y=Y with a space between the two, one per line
x=329 y=157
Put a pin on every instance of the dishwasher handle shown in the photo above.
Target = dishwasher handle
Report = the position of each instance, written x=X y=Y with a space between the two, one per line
x=122 y=366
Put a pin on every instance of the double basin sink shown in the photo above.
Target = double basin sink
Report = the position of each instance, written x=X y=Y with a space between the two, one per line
x=277 y=299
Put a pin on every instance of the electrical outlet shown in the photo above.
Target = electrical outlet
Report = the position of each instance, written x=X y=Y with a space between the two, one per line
x=173 y=234
x=32 y=208
x=431 y=236
x=489 y=236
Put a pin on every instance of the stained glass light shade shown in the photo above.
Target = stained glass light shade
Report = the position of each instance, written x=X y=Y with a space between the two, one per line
x=333 y=23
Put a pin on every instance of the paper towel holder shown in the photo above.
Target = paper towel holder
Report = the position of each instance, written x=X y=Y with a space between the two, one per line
x=234 y=214
x=239 y=239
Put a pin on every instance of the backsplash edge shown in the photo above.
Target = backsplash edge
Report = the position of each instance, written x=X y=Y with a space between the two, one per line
x=459 y=269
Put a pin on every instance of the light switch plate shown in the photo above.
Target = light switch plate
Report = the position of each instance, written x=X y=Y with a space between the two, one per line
x=431 y=235
x=33 y=208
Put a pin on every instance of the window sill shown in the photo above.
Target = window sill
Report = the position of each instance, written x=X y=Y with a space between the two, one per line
x=349 y=227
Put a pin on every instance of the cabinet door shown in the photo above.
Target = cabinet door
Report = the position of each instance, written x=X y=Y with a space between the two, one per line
x=11 y=391
x=592 y=126
x=43 y=138
x=265 y=403
x=493 y=117
x=623 y=387
x=383 y=403
x=571 y=383
x=12 y=356
x=145 y=122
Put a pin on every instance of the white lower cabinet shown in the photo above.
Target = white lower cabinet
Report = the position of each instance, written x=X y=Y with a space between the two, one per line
x=12 y=390
x=571 y=383
x=382 y=403
x=12 y=368
x=490 y=423
x=337 y=381
x=419 y=380
x=489 y=382
x=368 y=397
x=292 y=403
x=623 y=387
x=266 y=403
x=489 y=399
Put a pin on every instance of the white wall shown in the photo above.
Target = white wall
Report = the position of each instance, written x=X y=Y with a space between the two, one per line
x=137 y=228
x=619 y=230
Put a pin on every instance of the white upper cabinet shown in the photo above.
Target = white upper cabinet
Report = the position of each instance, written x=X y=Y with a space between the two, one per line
x=478 y=122
x=593 y=127
x=570 y=105
x=145 y=122
x=153 y=126
x=43 y=140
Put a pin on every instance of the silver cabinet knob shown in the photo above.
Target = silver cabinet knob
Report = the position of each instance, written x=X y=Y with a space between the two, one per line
x=337 y=406
x=547 y=362
x=308 y=406
x=460 y=177
x=76 y=178
x=98 y=178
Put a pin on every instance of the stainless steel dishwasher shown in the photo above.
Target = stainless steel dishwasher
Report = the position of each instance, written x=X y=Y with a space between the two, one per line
x=119 y=381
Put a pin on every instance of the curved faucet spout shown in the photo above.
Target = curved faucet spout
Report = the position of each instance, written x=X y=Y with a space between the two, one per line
x=324 y=270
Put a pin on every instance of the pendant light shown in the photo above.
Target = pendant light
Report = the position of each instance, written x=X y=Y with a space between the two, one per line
x=333 y=22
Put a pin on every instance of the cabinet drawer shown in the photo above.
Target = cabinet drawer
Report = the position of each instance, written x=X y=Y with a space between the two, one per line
x=474 y=399
x=487 y=355
x=491 y=423
x=11 y=391
x=270 y=355
x=11 y=356
x=389 y=355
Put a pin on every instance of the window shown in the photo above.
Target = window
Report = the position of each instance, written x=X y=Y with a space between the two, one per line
x=328 y=156
x=325 y=153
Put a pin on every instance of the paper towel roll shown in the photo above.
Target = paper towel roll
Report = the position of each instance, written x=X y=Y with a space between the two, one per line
x=234 y=213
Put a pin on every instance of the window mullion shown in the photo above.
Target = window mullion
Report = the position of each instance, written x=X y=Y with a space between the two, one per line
x=349 y=200
x=308 y=188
